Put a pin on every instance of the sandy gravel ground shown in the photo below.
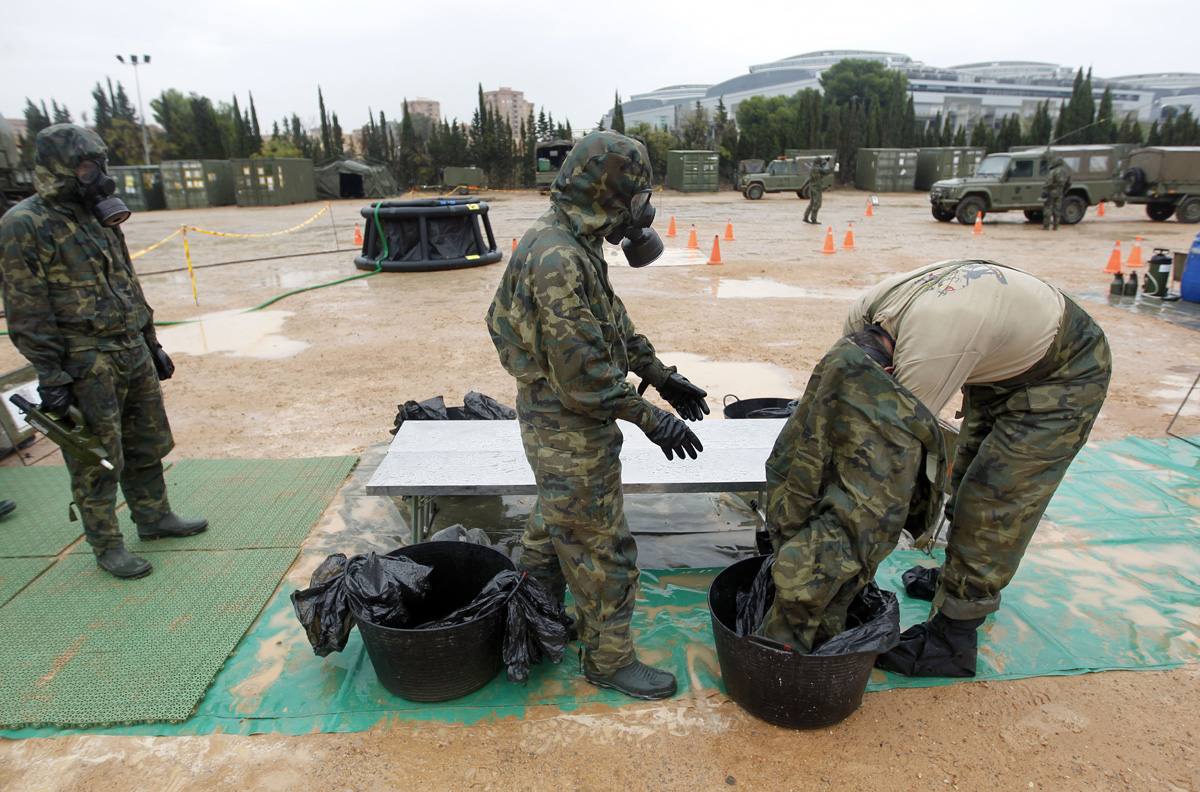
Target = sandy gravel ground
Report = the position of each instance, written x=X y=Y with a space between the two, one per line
x=322 y=372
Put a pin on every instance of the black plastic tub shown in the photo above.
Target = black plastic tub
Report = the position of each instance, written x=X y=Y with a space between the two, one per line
x=756 y=408
x=447 y=662
x=781 y=686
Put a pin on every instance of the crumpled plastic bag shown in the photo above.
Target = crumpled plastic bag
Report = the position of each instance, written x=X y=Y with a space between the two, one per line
x=921 y=582
x=872 y=620
x=375 y=588
x=476 y=407
x=535 y=621
x=509 y=546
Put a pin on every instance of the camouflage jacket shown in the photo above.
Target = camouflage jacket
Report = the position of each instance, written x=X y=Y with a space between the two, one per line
x=1058 y=179
x=846 y=454
x=816 y=178
x=557 y=325
x=68 y=281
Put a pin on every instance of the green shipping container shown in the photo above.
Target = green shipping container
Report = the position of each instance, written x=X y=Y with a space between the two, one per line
x=274 y=182
x=692 y=171
x=139 y=186
x=457 y=176
x=946 y=162
x=196 y=184
x=886 y=170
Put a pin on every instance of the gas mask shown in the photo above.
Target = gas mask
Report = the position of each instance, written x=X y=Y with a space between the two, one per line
x=640 y=243
x=96 y=188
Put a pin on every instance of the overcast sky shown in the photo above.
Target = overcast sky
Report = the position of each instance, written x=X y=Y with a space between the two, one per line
x=568 y=57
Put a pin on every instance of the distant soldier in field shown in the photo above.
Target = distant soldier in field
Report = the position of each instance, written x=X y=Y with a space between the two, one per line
x=815 y=186
x=1057 y=181
x=76 y=311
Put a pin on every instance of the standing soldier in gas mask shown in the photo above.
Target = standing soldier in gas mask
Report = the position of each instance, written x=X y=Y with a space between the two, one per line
x=563 y=333
x=76 y=311
x=816 y=186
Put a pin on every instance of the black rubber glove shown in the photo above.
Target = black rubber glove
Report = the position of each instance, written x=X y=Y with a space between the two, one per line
x=162 y=362
x=680 y=393
x=673 y=435
x=56 y=398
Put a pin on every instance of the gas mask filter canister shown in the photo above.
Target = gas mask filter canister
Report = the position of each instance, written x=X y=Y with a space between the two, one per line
x=97 y=188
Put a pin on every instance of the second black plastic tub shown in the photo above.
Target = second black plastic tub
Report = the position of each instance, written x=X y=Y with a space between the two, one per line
x=780 y=686
x=756 y=408
x=446 y=662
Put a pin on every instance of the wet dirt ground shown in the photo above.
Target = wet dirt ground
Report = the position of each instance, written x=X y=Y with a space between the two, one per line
x=322 y=372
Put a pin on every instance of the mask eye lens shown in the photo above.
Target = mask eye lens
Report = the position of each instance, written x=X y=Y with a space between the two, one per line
x=87 y=171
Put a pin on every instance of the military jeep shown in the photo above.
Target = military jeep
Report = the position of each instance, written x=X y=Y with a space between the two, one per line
x=786 y=174
x=1014 y=182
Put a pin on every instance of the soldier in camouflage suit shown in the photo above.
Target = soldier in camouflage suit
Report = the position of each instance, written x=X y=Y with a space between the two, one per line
x=860 y=460
x=1057 y=182
x=76 y=311
x=816 y=186
x=565 y=336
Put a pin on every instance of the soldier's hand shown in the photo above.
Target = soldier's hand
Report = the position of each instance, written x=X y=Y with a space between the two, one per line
x=56 y=398
x=162 y=363
x=673 y=436
x=686 y=398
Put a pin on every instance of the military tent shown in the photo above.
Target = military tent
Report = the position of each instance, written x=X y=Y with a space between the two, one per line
x=354 y=179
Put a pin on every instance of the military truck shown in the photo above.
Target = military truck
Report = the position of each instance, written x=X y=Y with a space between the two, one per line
x=15 y=181
x=785 y=174
x=1013 y=182
x=1167 y=180
x=549 y=156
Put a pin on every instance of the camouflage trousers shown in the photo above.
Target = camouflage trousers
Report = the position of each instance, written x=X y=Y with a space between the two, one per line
x=119 y=396
x=577 y=533
x=1051 y=210
x=1017 y=440
x=814 y=206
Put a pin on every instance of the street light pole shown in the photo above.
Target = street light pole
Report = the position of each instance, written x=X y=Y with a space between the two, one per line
x=133 y=60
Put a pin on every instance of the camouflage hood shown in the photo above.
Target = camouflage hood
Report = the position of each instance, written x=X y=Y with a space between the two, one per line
x=597 y=181
x=60 y=148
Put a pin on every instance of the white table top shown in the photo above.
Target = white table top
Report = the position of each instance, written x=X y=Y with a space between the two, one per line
x=486 y=458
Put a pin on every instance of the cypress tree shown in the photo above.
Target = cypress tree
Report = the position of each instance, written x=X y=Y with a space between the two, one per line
x=618 y=114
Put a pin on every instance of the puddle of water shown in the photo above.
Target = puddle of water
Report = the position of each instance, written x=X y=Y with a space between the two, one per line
x=671 y=257
x=767 y=289
x=745 y=379
x=256 y=335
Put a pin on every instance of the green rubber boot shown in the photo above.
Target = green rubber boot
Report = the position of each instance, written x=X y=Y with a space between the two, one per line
x=119 y=562
x=637 y=680
x=172 y=525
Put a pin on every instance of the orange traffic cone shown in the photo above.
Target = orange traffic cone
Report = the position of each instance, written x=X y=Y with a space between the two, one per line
x=870 y=209
x=1114 y=259
x=358 y=240
x=514 y=245
x=1100 y=210
x=978 y=229
x=692 y=243
x=829 y=248
x=1135 y=254
x=715 y=256
x=729 y=231
x=671 y=227
x=848 y=241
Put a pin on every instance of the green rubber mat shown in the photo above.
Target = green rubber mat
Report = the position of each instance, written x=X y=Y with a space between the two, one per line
x=15 y=574
x=249 y=503
x=1110 y=581
x=39 y=526
x=95 y=650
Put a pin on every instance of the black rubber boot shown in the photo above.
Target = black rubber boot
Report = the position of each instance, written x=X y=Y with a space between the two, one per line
x=119 y=562
x=7 y=507
x=172 y=525
x=940 y=647
x=637 y=680
x=921 y=582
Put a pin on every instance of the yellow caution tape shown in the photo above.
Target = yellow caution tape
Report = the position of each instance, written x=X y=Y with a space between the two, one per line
x=187 y=255
x=296 y=227
x=157 y=244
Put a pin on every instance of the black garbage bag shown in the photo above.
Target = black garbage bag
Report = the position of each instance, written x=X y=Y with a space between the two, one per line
x=535 y=622
x=476 y=407
x=375 y=588
x=872 y=620
x=921 y=582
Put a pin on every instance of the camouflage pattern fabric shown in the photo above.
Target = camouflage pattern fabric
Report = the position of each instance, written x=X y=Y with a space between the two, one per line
x=76 y=311
x=860 y=460
x=564 y=335
x=816 y=174
x=1057 y=181
x=1015 y=445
